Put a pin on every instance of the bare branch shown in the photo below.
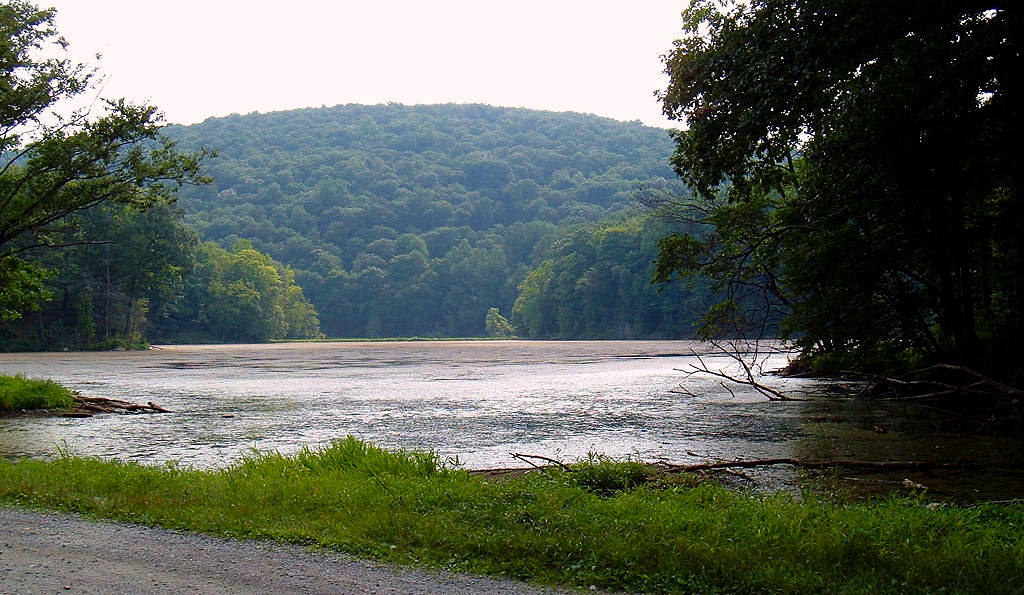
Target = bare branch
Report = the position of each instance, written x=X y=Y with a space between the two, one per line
x=526 y=459
x=63 y=245
x=758 y=354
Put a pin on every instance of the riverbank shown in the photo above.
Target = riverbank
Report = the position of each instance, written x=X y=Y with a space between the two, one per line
x=18 y=393
x=36 y=397
x=612 y=525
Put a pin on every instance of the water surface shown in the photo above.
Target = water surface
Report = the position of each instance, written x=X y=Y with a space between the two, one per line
x=471 y=401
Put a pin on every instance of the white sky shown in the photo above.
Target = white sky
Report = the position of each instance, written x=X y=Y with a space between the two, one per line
x=196 y=59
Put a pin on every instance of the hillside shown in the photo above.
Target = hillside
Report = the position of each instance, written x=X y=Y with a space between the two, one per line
x=415 y=220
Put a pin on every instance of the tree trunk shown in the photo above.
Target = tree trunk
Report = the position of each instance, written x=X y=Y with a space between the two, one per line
x=106 y=296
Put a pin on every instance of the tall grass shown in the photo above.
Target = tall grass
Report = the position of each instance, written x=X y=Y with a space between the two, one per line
x=598 y=524
x=18 y=393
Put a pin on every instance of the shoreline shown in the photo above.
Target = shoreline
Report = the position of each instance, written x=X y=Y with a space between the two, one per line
x=600 y=523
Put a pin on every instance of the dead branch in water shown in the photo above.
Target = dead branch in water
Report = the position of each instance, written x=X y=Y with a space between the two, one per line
x=751 y=370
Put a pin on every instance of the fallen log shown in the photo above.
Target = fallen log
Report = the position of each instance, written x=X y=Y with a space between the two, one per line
x=104 y=405
x=749 y=463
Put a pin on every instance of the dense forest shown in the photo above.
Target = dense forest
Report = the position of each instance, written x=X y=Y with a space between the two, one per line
x=594 y=282
x=369 y=221
x=416 y=220
x=128 y=273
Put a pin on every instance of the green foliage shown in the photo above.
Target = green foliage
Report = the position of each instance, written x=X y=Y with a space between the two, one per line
x=56 y=166
x=21 y=287
x=122 y=274
x=598 y=523
x=149 y=277
x=854 y=164
x=595 y=281
x=244 y=296
x=607 y=477
x=142 y=274
x=497 y=325
x=414 y=220
x=18 y=393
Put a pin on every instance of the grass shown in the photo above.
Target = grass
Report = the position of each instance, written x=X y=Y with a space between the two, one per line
x=18 y=393
x=599 y=524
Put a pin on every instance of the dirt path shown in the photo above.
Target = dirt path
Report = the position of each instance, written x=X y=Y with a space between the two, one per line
x=51 y=553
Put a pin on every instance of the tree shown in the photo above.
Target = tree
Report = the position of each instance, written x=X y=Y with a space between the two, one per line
x=57 y=161
x=120 y=281
x=246 y=296
x=854 y=162
x=595 y=282
x=497 y=325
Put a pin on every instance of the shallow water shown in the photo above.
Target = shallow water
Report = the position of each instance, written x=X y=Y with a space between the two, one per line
x=472 y=402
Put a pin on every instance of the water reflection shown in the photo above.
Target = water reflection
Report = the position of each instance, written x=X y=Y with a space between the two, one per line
x=879 y=431
x=477 y=401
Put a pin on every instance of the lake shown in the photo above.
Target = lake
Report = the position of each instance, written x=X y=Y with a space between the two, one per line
x=475 y=402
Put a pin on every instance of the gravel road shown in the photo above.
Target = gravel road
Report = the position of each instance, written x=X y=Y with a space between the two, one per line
x=56 y=553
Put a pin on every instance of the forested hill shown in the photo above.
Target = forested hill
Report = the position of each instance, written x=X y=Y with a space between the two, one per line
x=416 y=220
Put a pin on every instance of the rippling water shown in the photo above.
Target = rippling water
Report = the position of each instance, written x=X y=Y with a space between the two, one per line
x=477 y=401
x=471 y=401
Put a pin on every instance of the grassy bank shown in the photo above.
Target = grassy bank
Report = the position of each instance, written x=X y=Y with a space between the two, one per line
x=18 y=393
x=589 y=526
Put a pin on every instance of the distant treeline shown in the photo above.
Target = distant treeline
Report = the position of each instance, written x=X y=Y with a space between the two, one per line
x=389 y=220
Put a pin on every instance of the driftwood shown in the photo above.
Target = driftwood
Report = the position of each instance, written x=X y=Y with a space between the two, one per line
x=730 y=466
x=89 y=405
